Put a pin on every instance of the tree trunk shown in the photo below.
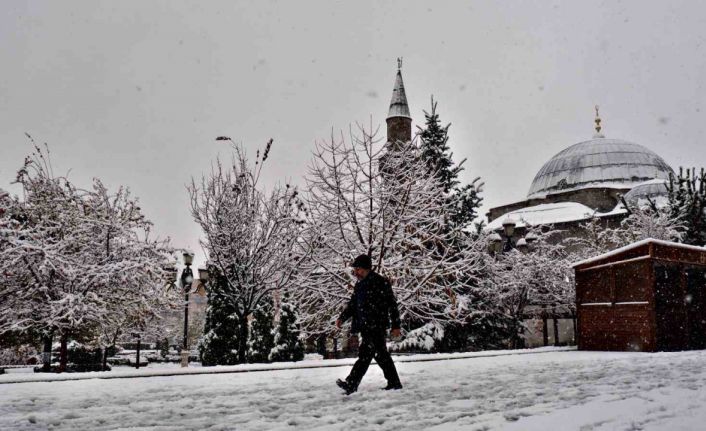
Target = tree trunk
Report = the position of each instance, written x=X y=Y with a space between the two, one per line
x=63 y=352
x=104 y=363
x=321 y=345
x=243 y=346
x=545 y=330
x=46 y=352
x=556 y=331
x=137 y=357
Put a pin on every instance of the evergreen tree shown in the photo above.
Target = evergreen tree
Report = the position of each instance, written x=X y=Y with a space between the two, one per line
x=464 y=202
x=435 y=151
x=261 y=340
x=687 y=203
x=288 y=346
x=222 y=331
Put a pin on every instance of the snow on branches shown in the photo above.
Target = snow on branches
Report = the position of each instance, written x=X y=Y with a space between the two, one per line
x=365 y=197
x=250 y=235
x=76 y=260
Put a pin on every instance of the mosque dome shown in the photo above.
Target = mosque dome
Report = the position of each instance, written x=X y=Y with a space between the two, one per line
x=599 y=162
x=654 y=190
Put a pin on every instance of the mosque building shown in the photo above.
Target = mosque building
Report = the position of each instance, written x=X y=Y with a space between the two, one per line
x=586 y=180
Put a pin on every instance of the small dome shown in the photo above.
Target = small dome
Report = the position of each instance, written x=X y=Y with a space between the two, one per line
x=655 y=190
x=599 y=162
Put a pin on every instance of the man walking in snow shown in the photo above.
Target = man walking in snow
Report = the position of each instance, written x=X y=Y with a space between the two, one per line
x=372 y=307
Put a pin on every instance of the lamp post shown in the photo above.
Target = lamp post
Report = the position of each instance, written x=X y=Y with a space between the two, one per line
x=138 y=337
x=495 y=243
x=187 y=277
x=509 y=228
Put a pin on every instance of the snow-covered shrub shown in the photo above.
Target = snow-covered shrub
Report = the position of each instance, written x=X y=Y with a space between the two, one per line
x=288 y=345
x=261 y=340
x=424 y=338
x=84 y=356
x=18 y=355
x=222 y=331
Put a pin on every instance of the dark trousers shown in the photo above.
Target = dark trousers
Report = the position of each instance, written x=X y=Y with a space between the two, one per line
x=373 y=346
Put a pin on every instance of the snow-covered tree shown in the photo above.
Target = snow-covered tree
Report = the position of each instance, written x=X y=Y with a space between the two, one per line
x=121 y=242
x=595 y=236
x=465 y=200
x=365 y=198
x=223 y=329
x=539 y=275
x=687 y=204
x=287 y=343
x=262 y=338
x=250 y=235
x=72 y=258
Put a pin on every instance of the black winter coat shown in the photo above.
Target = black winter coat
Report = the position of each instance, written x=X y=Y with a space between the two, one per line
x=373 y=305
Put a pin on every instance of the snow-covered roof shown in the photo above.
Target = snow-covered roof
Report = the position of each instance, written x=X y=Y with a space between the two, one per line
x=599 y=162
x=635 y=245
x=655 y=190
x=545 y=214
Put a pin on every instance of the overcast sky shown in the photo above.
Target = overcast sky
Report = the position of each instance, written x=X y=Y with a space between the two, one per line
x=136 y=92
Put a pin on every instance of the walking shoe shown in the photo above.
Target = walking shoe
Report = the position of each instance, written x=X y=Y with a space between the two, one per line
x=346 y=386
x=393 y=386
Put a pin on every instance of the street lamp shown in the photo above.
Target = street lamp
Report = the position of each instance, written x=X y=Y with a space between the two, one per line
x=203 y=275
x=502 y=242
x=531 y=238
x=509 y=228
x=495 y=243
x=187 y=277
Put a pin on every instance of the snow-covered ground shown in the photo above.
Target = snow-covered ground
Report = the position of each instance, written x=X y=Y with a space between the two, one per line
x=556 y=391
x=17 y=375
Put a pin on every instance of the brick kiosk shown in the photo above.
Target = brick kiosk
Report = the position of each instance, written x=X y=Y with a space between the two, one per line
x=648 y=296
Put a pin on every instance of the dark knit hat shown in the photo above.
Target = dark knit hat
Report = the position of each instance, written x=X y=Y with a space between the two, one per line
x=362 y=261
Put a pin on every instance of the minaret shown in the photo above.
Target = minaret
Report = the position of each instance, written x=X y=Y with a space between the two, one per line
x=399 y=122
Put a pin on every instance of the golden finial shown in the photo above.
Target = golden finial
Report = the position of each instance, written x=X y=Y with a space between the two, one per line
x=598 y=122
x=399 y=63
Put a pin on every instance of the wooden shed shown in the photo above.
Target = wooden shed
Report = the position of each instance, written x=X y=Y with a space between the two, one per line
x=647 y=296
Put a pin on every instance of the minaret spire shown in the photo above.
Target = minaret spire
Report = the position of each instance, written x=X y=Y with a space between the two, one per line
x=598 y=125
x=399 y=121
x=398 y=103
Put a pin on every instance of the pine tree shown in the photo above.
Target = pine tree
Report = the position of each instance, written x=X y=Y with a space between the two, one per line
x=288 y=346
x=261 y=340
x=465 y=199
x=221 y=340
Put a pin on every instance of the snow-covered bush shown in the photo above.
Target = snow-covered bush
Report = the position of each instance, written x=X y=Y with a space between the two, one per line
x=262 y=339
x=221 y=340
x=18 y=355
x=422 y=339
x=288 y=344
